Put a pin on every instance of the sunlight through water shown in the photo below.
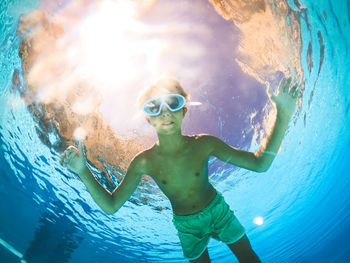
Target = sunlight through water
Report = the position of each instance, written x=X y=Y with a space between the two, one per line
x=73 y=70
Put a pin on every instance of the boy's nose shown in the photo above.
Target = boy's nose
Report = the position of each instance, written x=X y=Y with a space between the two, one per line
x=165 y=111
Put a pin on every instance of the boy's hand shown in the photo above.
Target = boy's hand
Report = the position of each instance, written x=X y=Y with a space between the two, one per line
x=286 y=97
x=74 y=158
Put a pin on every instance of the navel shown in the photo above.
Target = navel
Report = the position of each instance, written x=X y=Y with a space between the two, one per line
x=197 y=173
x=163 y=182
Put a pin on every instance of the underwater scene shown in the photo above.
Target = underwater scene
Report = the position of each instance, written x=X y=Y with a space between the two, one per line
x=72 y=71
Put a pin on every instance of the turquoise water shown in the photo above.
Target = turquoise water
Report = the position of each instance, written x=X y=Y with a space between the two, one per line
x=304 y=198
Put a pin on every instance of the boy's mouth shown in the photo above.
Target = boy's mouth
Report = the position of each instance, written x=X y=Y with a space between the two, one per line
x=168 y=123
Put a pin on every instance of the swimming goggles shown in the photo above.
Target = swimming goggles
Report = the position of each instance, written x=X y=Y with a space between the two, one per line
x=174 y=102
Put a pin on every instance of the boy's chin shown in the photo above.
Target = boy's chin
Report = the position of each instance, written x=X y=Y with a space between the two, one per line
x=167 y=131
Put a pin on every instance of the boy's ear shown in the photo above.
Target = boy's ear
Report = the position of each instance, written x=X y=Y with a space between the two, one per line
x=185 y=110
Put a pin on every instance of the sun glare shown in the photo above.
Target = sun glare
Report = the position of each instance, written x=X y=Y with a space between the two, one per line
x=258 y=220
x=79 y=134
x=114 y=43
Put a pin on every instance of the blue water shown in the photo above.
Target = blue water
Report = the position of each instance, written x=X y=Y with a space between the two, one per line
x=304 y=198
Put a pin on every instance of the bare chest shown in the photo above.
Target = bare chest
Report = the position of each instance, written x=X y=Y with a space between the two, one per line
x=180 y=175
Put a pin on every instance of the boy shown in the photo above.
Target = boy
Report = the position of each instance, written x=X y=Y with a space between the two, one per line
x=179 y=165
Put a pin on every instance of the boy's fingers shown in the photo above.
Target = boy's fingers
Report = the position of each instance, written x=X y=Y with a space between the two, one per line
x=63 y=162
x=294 y=91
x=67 y=155
x=81 y=148
x=270 y=92
x=287 y=84
x=62 y=158
x=283 y=83
x=281 y=86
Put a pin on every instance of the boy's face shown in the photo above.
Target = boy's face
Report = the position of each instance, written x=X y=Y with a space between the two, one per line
x=167 y=122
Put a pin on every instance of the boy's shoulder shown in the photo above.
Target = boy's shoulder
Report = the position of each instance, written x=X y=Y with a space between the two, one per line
x=143 y=155
x=139 y=162
x=207 y=143
x=202 y=142
x=201 y=136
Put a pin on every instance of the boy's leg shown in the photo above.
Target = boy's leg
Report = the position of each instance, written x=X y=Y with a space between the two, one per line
x=243 y=251
x=204 y=258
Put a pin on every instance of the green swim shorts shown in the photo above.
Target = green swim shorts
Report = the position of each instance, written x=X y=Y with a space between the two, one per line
x=216 y=220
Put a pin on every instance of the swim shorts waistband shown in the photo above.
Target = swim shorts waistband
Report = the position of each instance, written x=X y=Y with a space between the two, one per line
x=203 y=211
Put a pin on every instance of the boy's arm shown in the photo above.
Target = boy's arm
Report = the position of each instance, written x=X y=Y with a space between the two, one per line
x=261 y=160
x=75 y=160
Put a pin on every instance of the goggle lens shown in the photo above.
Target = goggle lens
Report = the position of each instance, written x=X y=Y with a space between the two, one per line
x=173 y=102
x=152 y=106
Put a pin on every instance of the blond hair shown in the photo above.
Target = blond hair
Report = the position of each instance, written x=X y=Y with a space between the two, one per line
x=165 y=85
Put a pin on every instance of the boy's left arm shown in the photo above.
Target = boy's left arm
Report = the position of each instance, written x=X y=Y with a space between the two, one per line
x=261 y=160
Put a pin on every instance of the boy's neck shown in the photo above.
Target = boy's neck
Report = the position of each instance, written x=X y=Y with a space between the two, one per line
x=171 y=143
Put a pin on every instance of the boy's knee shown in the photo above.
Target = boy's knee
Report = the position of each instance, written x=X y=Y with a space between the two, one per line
x=243 y=250
x=204 y=258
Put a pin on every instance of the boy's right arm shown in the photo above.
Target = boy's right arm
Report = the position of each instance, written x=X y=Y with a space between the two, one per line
x=75 y=160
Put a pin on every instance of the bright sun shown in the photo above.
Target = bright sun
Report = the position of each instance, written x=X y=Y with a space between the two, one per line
x=115 y=43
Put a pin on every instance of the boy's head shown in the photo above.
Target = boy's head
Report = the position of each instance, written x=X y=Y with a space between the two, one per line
x=167 y=99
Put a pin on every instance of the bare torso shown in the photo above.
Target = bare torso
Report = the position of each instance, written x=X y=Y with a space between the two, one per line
x=183 y=177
